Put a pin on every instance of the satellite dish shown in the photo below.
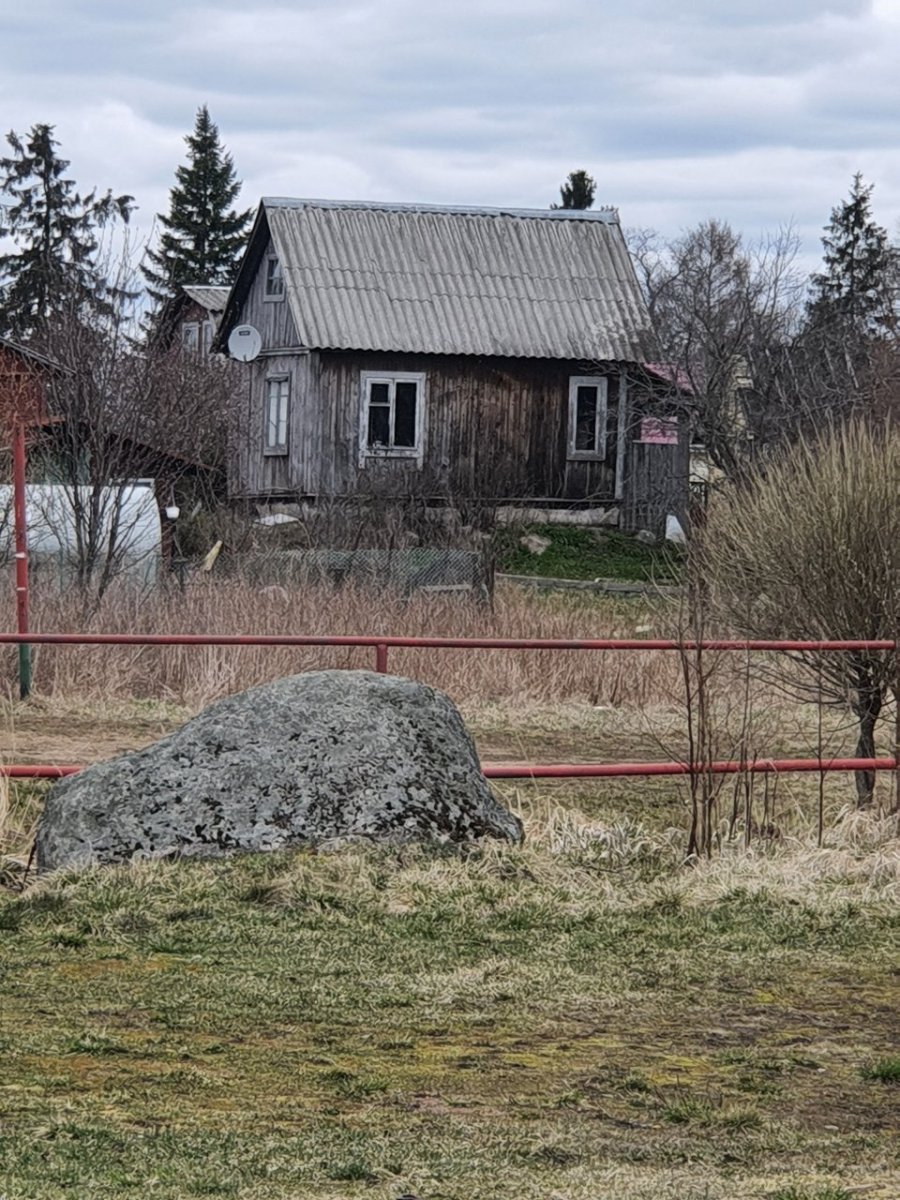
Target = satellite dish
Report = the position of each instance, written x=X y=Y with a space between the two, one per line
x=244 y=343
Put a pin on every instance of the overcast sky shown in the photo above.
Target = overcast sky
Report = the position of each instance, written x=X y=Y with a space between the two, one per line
x=755 y=111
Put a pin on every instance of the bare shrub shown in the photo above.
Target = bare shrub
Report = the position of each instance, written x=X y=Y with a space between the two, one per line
x=720 y=305
x=809 y=549
x=722 y=709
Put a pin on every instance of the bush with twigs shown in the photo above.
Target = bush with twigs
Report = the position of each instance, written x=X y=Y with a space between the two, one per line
x=808 y=548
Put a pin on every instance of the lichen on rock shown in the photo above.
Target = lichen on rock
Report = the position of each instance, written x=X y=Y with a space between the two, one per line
x=306 y=760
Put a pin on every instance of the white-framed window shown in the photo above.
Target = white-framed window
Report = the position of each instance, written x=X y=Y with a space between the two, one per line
x=207 y=336
x=278 y=398
x=392 y=415
x=274 y=279
x=587 y=417
x=190 y=336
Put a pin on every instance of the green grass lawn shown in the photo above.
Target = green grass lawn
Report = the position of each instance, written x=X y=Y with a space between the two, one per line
x=578 y=1018
x=578 y=553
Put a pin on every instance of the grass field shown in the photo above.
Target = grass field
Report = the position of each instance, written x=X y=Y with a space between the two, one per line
x=581 y=1017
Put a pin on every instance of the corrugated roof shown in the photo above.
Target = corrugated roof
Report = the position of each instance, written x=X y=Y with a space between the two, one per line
x=455 y=280
x=208 y=296
x=606 y=213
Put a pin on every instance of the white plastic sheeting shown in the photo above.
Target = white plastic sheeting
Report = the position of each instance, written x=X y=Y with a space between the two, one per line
x=674 y=530
x=130 y=512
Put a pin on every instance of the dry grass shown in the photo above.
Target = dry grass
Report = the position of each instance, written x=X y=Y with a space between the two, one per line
x=586 y=1015
x=194 y=676
x=748 y=715
x=782 y=809
x=19 y=811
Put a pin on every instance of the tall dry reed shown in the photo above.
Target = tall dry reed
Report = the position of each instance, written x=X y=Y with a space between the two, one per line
x=194 y=675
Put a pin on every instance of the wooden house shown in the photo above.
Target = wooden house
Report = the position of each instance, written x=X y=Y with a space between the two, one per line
x=449 y=352
x=191 y=317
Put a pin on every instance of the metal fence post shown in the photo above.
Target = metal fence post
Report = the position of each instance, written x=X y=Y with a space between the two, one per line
x=21 y=536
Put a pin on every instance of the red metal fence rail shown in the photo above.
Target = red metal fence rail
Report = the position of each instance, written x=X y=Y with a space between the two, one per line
x=387 y=642
x=383 y=644
x=570 y=770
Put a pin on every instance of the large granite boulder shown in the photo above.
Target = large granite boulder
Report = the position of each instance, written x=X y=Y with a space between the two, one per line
x=311 y=758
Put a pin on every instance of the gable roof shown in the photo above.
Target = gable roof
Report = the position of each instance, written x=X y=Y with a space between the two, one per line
x=211 y=297
x=419 y=278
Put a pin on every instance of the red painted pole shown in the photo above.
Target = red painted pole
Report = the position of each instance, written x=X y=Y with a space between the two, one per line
x=21 y=528
x=381 y=655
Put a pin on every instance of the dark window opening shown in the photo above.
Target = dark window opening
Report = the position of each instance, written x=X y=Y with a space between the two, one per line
x=405 y=414
x=586 y=418
x=379 y=425
x=392 y=416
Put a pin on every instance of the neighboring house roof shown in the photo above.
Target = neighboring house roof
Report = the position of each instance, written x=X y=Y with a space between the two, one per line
x=32 y=356
x=419 y=278
x=672 y=374
x=208 y=296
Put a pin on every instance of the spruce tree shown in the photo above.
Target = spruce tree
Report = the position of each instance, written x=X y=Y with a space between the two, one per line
x=577 y=192
x=854 y=294
x=203 y=235
x=53 y=267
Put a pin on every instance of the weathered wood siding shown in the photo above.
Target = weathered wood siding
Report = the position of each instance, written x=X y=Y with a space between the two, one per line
x=253 y=472
x=656 y=480
x=257 y=473
x=270 y=316
x=496 y=428
x=192 y=312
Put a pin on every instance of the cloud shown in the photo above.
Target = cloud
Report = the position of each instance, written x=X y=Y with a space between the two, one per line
x=758 y=111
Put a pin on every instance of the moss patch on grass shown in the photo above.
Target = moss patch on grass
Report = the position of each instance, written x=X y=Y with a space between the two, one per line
x=579 y=553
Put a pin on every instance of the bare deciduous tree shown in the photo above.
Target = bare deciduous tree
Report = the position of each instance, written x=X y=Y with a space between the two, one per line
x=122 y=413
x=722 y=311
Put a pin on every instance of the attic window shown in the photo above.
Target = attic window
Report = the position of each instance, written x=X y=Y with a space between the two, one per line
x=587 y=418
x=274 y=279
x=392 y=416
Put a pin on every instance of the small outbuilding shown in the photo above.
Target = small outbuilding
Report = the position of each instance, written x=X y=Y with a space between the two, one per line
x=26 y=379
